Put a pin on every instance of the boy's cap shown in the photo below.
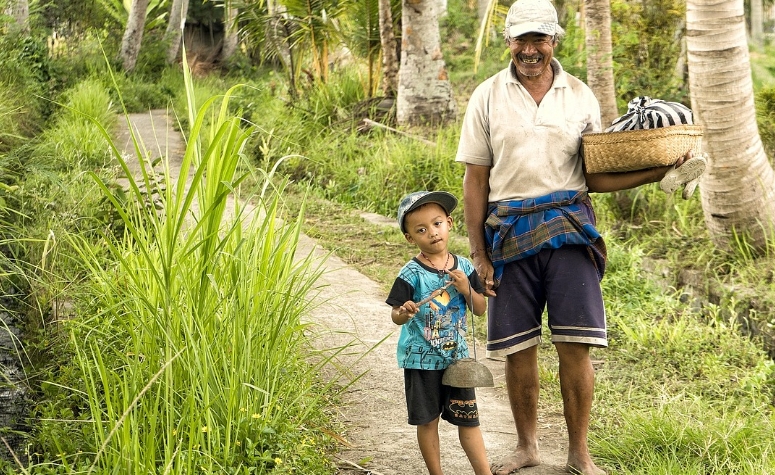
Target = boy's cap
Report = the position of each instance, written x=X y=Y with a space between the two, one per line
x=412 y=201
x=526 y=16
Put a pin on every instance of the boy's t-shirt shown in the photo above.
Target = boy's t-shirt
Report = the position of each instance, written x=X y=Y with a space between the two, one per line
x=435 y=336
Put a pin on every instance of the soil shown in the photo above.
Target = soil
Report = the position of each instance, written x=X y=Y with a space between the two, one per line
x=351 y=312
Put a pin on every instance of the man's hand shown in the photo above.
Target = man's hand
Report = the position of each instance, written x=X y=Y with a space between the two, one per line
x=486 y=273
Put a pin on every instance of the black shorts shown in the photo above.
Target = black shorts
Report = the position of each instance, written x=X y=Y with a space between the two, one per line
x=563 y=281
x=427 y=398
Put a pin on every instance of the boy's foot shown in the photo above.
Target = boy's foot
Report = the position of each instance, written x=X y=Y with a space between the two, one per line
x=688 y=171
x=519 y=459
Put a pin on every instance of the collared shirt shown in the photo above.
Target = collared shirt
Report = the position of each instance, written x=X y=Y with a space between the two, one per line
x=533 y=149
x=518 y=229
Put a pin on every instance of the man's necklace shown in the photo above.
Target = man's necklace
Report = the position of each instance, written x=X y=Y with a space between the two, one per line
x=440 y=271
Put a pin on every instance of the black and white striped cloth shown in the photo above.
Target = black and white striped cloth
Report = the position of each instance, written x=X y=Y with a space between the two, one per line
x=644 y=112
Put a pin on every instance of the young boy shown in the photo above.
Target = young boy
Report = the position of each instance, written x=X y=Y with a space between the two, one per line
x=432 y=333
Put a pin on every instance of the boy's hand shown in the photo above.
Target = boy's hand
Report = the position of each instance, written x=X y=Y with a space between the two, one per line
x=408 y=309
x=459 y=280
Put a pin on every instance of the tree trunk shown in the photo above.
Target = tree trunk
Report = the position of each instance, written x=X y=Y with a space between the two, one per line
x=175 y=28
x=757 y=23
x=600 y=67
x=230 y=32
x=738 y=190
x=133 y=35
x=424 y=90
x=19 y=10
x=389 y=54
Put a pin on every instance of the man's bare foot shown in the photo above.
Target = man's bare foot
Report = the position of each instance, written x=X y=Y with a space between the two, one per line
x=520 y=458
x=587 y=467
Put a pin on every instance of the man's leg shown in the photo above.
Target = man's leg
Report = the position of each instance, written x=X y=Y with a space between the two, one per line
x=428 y=439
x=522 y=385
x=577 y=383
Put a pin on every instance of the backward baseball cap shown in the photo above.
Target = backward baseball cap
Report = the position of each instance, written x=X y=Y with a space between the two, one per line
x=532 y=16
x=412 y=201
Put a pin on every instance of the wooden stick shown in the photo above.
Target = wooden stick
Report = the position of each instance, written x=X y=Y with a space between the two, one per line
x=434 y=294
x=362 y=469
x=377 y=124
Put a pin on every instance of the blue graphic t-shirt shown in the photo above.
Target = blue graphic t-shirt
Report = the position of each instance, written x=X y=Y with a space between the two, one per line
x=435 y=336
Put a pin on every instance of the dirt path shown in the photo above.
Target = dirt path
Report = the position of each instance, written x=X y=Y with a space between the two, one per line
x=352 y=311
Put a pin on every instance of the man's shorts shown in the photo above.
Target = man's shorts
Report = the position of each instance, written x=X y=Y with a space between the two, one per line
x=566 y=283
x=427 y=398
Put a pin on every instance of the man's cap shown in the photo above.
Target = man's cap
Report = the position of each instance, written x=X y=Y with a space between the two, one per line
x=532 y=16
x=412 y=201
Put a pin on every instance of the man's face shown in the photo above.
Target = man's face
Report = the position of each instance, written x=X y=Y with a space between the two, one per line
x=532 y=53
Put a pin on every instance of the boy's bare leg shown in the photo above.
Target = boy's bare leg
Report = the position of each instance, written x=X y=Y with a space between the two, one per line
x=473 y=444
x=522 y=385
x=428 y=440
x=577 y=383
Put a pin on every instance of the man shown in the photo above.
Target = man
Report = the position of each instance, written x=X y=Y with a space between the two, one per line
x=531 y=225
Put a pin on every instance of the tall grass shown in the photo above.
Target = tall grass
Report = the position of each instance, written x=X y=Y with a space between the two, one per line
x=191 y=348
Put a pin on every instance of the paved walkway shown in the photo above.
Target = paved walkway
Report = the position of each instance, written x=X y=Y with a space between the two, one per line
x=351 y=312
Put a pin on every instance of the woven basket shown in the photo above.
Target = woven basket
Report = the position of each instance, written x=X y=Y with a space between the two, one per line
x=638 y=149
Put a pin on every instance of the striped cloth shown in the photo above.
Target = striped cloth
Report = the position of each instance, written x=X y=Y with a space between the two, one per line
x=644 y=112
x=516 y=229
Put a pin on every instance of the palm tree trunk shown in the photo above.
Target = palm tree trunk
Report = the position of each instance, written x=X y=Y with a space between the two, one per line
x=19 y=10
x=424 y=90
x=133 y=35
x=230 y=32
x=389 y=55
x=600 y=66
x=738 y=190
x=175 y=28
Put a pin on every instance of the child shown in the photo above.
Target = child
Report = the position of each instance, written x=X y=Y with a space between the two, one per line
x=432 y=333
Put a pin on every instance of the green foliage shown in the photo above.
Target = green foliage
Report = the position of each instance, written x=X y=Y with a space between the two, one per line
x=646 y=41
x=190 y=354
x=73 y=140
x=765 y=116
x=684 y=436
x=24 y=71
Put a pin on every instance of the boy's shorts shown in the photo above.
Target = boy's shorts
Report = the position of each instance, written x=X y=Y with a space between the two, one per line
x=427 y=398
x=566 y=283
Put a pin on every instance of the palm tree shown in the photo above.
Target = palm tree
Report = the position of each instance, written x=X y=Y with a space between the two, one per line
x=230 y=31
x=600 y=67
x=738 y=191
x=424 y=90
x=175 y=27
x=133 y=35
x=388 y=44
x=19 y=10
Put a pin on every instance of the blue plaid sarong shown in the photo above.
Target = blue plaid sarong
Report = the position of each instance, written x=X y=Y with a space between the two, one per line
x=517 y=229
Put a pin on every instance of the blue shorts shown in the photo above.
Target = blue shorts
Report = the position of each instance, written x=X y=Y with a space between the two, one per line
x=427 y=398
x=563 y=281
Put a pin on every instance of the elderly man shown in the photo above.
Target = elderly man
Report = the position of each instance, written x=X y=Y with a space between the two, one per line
x=531 y=226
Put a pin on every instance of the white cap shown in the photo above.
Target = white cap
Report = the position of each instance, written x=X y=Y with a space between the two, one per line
x=532 y=16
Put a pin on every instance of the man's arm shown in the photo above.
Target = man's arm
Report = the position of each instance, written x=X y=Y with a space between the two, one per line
x=605 y=182
x=476 y=190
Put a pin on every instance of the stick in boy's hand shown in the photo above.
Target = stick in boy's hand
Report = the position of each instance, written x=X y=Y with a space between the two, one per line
x=411 y=307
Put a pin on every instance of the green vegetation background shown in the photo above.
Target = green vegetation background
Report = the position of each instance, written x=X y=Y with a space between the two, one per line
x=698 y=388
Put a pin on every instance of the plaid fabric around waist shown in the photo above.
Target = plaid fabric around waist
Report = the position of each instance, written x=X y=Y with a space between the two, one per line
x=516 y=229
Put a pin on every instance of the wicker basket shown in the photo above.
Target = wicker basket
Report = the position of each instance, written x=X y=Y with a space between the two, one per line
x=638 y=149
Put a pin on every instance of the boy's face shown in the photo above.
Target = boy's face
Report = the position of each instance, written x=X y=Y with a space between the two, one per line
x=428 y=228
